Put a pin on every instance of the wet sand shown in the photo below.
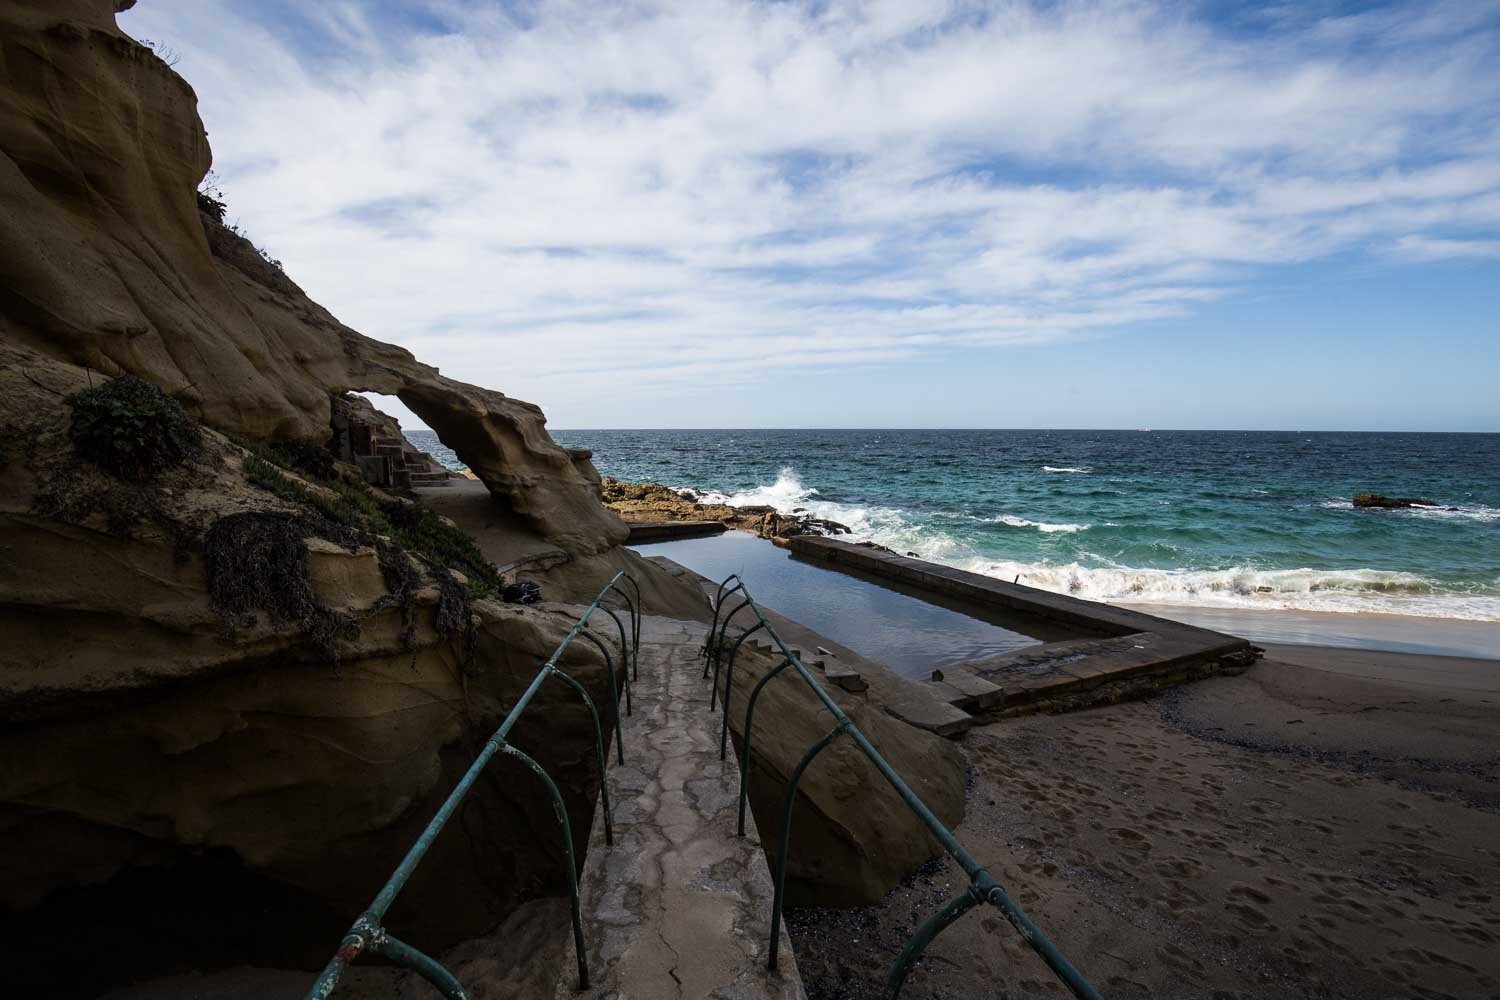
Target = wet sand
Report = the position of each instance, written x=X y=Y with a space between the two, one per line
x=1325 y=825
x=1396 y=633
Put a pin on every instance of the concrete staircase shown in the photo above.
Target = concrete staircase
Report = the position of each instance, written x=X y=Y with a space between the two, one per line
x=833 y=668
x=963 y=688
x=406 y=467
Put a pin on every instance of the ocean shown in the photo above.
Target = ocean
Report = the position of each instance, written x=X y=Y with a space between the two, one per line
x=1254 y=520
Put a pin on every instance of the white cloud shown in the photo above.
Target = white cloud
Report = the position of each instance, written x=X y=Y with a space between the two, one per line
x=1427 y=248
x=601 y=198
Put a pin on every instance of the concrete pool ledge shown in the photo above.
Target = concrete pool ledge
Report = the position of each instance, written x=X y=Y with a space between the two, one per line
x=1125 y=654
x=644 y=532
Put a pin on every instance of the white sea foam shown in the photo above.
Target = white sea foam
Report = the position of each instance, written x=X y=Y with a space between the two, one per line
x=1066 y=468
x=785 y=493
x=1457 y=512
x=1021 y=522
x=788 y=494
x=1461 y=512
x=1304 y=589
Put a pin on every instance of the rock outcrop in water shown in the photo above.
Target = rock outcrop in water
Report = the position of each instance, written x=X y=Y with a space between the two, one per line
x=1375 y=500
x=654 y=502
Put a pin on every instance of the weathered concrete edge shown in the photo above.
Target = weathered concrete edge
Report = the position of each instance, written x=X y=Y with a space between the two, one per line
x=1186 y=652
x=1099 y=619
x=664 y=531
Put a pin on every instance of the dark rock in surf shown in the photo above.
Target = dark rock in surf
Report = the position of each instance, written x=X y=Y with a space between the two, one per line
x=1376 y=501
x=654 y=502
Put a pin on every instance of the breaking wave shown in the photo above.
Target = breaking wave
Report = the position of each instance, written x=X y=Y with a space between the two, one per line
x=1460 y=512
x=1305 y=589
x=1021 y=522
x=786 y=492
x=936 y=536
x=788 y=495
x=1066 y=468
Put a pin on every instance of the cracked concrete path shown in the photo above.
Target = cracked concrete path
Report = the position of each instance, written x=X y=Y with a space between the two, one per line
x=679 y=906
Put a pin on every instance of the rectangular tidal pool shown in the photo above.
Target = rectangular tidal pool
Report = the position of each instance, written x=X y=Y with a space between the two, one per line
x=911 y=633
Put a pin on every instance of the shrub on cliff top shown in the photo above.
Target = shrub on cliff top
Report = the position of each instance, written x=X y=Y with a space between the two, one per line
x=131 y=428
x=211 y=197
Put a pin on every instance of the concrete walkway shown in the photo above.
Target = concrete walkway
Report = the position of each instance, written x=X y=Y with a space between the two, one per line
x=679 y=906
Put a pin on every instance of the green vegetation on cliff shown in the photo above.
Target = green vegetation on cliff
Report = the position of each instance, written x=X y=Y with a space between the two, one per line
x=355 y=505
x=131 y=428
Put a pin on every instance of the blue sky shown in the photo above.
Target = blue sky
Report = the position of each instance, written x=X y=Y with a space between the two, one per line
x=913 y=213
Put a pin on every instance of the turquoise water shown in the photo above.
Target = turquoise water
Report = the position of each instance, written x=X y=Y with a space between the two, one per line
x=1228 y=519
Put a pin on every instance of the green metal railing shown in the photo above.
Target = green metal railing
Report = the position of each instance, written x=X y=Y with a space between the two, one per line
x=982 y=887
x=368 y=934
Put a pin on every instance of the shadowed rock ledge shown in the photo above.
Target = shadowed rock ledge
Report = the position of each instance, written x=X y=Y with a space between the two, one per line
x=142 y=730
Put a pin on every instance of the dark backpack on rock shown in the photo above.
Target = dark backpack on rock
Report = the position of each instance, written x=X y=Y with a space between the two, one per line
x=521 y=592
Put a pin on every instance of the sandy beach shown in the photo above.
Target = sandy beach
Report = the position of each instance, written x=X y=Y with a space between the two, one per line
x=1444 y=637
x=1325 y=825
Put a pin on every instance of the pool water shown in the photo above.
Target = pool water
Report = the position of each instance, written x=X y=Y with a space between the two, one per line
x=910 y=634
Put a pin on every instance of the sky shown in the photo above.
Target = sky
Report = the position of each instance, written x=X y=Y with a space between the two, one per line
x=883 y=214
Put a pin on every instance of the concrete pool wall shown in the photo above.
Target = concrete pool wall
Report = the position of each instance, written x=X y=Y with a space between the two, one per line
x=910 y=632
x=1126 y=654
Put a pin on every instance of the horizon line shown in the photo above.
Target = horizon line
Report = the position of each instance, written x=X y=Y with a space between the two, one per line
x=1090 y=430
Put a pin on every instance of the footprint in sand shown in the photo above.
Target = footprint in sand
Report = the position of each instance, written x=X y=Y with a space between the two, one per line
x=1126 y=837
x=1179 y=867
x=1248 y=892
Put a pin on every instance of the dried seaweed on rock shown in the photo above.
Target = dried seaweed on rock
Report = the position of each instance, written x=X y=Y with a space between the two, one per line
x=258 y=561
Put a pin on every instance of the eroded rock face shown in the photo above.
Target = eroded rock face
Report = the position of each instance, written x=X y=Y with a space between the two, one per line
x=137 y=730
x=853 y=838
x=108 y=263
x=505 y=443
x=138 y=727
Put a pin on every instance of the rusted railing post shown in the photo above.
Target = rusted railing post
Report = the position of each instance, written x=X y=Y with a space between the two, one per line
x=728 y=682
x=599 y=752
x=614 y=693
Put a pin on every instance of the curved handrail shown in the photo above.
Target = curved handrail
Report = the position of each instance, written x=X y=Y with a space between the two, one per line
x=367 y=932
x=982 y=886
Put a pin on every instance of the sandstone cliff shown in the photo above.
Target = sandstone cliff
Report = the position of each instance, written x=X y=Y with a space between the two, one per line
x=107 y=263
x=139 y=731
x=244 y=777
